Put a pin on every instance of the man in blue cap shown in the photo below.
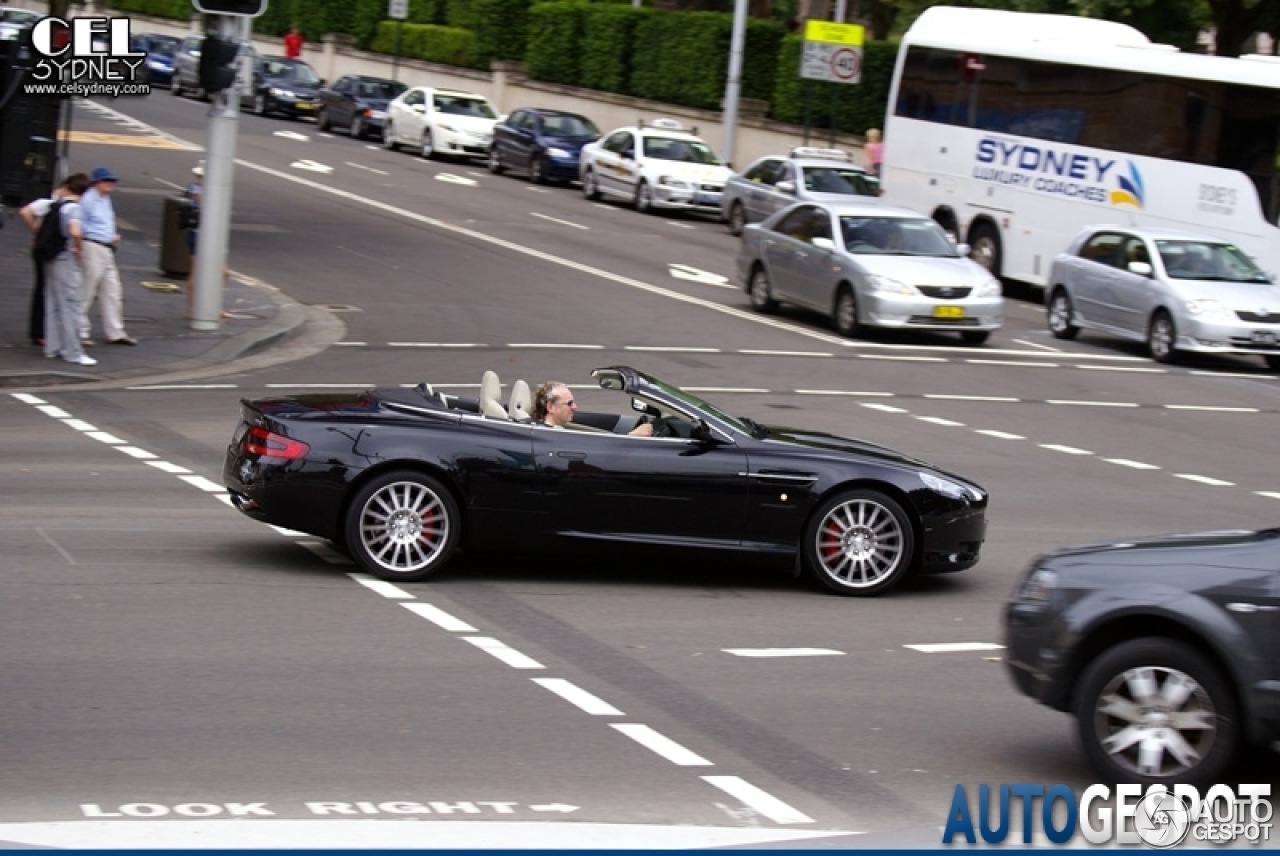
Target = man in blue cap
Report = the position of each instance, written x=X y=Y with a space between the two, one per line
x=101 y=278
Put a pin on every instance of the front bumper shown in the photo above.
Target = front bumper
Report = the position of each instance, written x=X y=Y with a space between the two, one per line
x=901 y=311
x=292 y=106
x=1229 y=337
x=953 y=540
x=461 y=142
x=693 y=197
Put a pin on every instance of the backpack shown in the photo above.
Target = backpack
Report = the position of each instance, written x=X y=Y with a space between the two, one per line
x=189 y=215
x=50 y=241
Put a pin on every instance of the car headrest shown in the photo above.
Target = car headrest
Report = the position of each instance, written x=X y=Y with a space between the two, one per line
x=491 y=396
x=521 y=404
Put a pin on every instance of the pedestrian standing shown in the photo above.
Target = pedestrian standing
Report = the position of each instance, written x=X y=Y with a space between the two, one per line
x=101 y=277
x=63 y=279
x=874 y=150
x=32 y=213
x=293 y=43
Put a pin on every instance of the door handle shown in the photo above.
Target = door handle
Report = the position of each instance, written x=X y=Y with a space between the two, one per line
x=573 y=456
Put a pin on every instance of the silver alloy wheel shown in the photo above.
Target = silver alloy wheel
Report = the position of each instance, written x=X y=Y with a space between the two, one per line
x=644 y=198
x=1160 y=338
x=356 y=131
x=389 y=137
x=860 y=543
x=761 y=291
x=737 y=219
x=846 y=314
x=495 y=160
x=404 y=527
x=260 y=104
x=1155 y=721
x=589 y=188
x=1059 y=319
x=536 y=170
x=175 y=85
x=428 y=148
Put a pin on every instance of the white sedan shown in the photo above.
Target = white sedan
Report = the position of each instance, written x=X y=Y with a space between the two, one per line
x=657 y=165
x=440 y=121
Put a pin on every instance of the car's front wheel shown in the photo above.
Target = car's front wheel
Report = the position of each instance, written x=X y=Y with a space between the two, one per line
x=322 y=120
x=1058 y=317
x=495 y=160
x=175 y=84
x=356 y=129
x=389 y=137
x=644 y=198
x=402 y=526
x=859 y=543
x=538 y=169
x=761 y=292
x=590 y=188
x=428 y=147
x=845 y=312
x=1162 y=336
x=259 y=104
x=737 y=219
x=1156 y=711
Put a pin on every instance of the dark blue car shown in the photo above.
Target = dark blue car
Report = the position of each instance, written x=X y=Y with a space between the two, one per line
x=157 y=68
x=542 y=144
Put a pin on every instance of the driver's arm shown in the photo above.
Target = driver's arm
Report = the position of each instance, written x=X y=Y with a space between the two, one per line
x=644 y=429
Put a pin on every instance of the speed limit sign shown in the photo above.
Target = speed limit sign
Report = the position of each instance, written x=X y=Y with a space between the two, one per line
x=846 y=64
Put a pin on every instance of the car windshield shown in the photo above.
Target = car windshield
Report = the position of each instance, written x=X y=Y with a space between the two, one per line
x=697 y=404
x=383 y=89
x=294 y=72
x=686 y=151
x=1205 y=260
x=163 y=45
x=454 y=105
x=895 y=236
x=569 y=128
x=840 y=179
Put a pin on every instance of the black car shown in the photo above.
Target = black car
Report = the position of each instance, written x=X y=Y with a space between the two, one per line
x=542 y=144
x=157 y=68
x=401 y=478
x=357 y=103
x=1164 y=648
x=285 y=86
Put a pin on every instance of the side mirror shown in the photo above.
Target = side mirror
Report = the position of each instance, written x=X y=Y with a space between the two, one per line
x=1140 y=268
x=823 y=243
x=786 y=187
x=321 y=83
x=419 y=108
x=963 y=249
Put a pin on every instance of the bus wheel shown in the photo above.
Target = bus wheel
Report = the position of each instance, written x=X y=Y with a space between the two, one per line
x=984 y=242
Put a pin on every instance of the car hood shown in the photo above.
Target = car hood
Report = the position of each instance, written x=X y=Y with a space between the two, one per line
x=691 y=171
x=567 y=143
x=844 y=445
x=924 y=270
x=1181 y=542
x=1243 y=296
x=305 y=90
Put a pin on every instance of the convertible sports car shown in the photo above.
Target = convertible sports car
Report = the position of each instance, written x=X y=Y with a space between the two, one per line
x=402 y=478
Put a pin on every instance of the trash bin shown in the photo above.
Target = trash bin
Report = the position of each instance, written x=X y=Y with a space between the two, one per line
x=175 y=259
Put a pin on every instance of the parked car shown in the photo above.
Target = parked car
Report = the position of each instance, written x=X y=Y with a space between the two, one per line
x=440 y=121
x=403 y=477
x=186 y=68
x=13 y=20
x=357 y=103
x=543 y=144
x=1177 y=292
x=807 y=174
x=285 y=86
x=157 y=68
x=868 y=265
x=1165 y=649
x=659 y=165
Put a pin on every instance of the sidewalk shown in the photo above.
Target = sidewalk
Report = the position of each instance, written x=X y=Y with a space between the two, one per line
x=154 y=306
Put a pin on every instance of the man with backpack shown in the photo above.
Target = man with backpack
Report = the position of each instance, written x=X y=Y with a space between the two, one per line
x=59 y=245
x=31 y=215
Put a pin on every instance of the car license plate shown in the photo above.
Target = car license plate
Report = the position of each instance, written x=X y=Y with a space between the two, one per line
x=305 y=105
x=948 y=312
x=1263 y=337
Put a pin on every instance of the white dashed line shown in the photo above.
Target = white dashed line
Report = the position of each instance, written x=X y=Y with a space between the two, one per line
x=558 y=220
x=661 y=745
x=26 y=398
x=435 y=345
x=883 y=408
x=1231 y=374
x=1212 y=408
x=1269 y=494
x=754 y=798
x=556 y=346
x=999 y=435
x=104 y=437
x=203 y=484
x=382 y=587
x=947 y=397
x=1042 y=347
x=783 y=652
x=55 y=412
x=663 y=349
x=578 y=697
x=78 y=424
x=952 y=647
x=1125 y=462
x=1139 y=369
x=844 y=392
x=938 y=420
x=1066 y=450
x=764 y=353
x=1070 y=403
x=165 y=386
x=135 y=452
x=288 y=533
x=501 y=651
x=1012 y=363
x=902 y=358
x=1212 y=482
x=366 y=168
x=165 y=466
x=440 y=618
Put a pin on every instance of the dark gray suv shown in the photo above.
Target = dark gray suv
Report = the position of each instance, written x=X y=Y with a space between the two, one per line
x=1165 y=649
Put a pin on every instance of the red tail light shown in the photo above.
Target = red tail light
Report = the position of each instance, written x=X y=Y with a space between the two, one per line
x=259 y=441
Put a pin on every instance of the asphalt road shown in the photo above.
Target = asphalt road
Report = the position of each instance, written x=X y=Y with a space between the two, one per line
x=168 y=659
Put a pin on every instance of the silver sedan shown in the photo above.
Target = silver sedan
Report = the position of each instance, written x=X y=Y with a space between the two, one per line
x=868 y=265
x=1177 y=292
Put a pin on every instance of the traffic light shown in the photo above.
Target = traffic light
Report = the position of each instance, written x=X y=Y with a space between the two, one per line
x=218 y=63
x=244 y=8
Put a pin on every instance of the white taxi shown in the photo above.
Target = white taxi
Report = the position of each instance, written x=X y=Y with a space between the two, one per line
x=440 y=121
x=655 y=165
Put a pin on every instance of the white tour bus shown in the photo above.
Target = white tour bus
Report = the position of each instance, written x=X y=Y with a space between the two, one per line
x=1014 y=130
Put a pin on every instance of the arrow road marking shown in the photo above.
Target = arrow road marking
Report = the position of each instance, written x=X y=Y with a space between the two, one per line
x=292 y=135
x=311 y=165
x=694 y=275
x=557 y=807
x=456 y=179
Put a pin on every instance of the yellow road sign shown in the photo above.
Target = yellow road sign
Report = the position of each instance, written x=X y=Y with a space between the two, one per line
x=832 y=33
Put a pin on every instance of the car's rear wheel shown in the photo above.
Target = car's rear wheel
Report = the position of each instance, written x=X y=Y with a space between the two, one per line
x=389 y=137
x=322 y=120
x=975 y=337
x=175 y=85
x=1162 y=335
x=259 y=104
x=356 y=129
x=737 y=219
x=1059 y=315
x=428 y=148
x=1156 y=711
x=761 y=291
x=644 y=198
x=538 y=169
x=402 y=526
x=590 y=189
x=859 y=543
x=845 y=312
x=495 y=160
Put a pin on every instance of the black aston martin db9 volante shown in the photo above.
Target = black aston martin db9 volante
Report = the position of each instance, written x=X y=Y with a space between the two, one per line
x=402 y=478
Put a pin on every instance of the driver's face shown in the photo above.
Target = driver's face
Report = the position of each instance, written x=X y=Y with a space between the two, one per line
x=560 y=410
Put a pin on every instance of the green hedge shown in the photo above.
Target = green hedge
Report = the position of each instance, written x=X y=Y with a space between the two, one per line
x=858 y=106
x=555 y=42
x=501 y=28
x=608 y=36
x=447 y=45
x=181 y=10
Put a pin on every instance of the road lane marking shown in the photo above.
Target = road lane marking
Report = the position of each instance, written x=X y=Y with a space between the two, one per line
x=203 y=484
x=938 y=420
x=1269 y=494
x=1066 y=450
x=440 y=618
x=78 y=424
x=1212 y=482
x=501 y=651
x=1125 y=462
x=580 y=698
x=884 y=408
x=1212 y=408
x=783 y=652
x=726 y=389
x=382 y=587
x=104 y=437
x=567 y=345
x=558 y=220
x=757 y=800
x=674 y=349
x=135 y=452
x=312 y=166
x=952 y=647
x=436 y=345
x=322 y=550
x=769 y=353
x=1122 y=369
x=1040 y=345
x=903 y=358
x=1019 y=363
x=366 y=168
x=661 y=745
x=292 y=135
x=166 y=467
x=1070 y=403
x=55 y=412
x=850 y=392
x=947 y=397
x=450 y=178
x=693 y=274
x=167 y=386
x=999 y=435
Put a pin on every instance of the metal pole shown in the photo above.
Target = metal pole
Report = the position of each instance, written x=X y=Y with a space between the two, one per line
x=840 y=11
x=733 y=87
x=215 y=201
x=395 y=56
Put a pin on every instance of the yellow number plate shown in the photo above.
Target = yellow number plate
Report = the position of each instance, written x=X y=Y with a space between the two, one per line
x=948 y=312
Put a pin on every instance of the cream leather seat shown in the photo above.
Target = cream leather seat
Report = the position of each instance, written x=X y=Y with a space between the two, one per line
x=520 y=407
x=491 y=396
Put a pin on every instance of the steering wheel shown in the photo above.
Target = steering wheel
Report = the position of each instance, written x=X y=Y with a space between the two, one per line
x=665 y=426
